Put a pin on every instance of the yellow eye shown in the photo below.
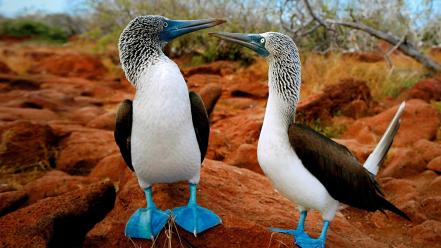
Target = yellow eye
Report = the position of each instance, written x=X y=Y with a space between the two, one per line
x=262 y=40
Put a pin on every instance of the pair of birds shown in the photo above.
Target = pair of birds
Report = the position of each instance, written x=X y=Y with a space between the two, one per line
x=163 y=134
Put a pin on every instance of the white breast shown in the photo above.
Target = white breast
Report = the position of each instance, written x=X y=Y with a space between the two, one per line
x=283 y=167
x=164 y=144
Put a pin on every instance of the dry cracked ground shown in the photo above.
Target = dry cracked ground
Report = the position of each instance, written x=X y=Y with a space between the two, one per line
x=63 y=182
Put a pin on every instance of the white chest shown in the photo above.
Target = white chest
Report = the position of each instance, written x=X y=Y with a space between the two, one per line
x=164 y=145
x=283 y=167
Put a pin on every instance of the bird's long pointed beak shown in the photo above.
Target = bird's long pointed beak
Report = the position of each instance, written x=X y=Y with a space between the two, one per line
x=176 y=28
x=247 y=40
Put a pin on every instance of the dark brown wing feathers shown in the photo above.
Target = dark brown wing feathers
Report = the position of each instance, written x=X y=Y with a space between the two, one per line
x=123 y=130
x=200 y=122
x=338 y=170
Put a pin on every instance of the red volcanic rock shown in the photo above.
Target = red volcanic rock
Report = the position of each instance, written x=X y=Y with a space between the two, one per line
x=427 y=234
x=368 y=57
x=250 y=89
x=26 y=146
x=426 y=89
x=86 y=114
x=10 y=201
x=58 y=221
x=210 y=94
x=195 y=82
x=355 y=109
x=428 y=149
x=219 y=68
x=52 y=184
x=332 y=99
x=53 y=100
x=431 y=207
x=246 y=157
x=104 y=121
x=4 y=68
x=435 y=50
x=81 y=151
x=227 y=135
x=403 y=162
x=6 y=188
x=245 y=201
x=63 y=128
x=71 y=65
x=418 y=121
x=32 y=114
x=434 y=187
x=240 y=103
x=38 y=54
x=435 y=164
x=113 y=168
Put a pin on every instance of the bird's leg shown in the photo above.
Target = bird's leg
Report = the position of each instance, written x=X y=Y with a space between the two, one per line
x=307 y=242
x=301 y=225
x=147 y=222
x=192 y=217
x=299 y=231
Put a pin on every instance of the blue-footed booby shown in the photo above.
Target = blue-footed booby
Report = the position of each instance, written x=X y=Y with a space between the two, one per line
x=163 y=133
x=303 y=165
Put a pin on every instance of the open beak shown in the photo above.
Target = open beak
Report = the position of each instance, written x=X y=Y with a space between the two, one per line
x=176 y=28
x=252 y=41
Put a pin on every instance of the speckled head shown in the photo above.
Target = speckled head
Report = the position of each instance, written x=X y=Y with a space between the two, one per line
x=142 y=40
x=283 y=59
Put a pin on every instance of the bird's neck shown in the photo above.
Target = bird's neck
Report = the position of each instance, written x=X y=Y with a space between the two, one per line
x=284 y=80
x=138 y=57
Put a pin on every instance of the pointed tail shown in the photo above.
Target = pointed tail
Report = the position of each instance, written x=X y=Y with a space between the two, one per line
x=375 y=159
x=391 y=207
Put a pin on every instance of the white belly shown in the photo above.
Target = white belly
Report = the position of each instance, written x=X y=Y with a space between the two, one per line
x=164 y=144
x=283 y=167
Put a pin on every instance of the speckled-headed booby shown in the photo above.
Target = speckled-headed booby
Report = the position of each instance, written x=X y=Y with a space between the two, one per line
x=163 y=133
x=305 y=166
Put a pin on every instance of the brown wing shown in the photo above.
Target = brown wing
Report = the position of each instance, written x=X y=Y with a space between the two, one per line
x=200 y=122
x=123 y=130
x=338 y=170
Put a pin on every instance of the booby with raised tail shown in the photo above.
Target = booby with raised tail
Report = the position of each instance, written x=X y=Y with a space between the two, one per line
x=305 y=166
x=163 y=133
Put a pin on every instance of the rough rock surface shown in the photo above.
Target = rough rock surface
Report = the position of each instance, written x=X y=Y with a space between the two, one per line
x=244 y=200
x=369 y=130
x=25 y=147
x=52 y=184
x=10 y=201
x=71 y=129
x=69 y=65
x=332 y=98
x=59 y=221
x=81 y=151
x=426 y=89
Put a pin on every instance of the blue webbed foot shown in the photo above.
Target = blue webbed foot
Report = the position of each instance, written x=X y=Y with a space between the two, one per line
x=301 y=238
x=193 y=218
x=146 y=223
x=304 y=241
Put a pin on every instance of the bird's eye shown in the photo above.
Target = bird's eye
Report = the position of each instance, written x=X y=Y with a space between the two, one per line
x=262 y=40
x=165 y=24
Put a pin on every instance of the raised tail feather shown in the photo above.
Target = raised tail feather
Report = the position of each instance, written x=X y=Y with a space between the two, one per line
x=375 y=159
x=391 y=207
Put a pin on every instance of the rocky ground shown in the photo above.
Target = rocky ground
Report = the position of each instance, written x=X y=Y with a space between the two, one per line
x=63 y=182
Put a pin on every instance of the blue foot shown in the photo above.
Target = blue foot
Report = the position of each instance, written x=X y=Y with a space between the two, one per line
x=304 y=241
x=193 y=218
x=146 y=223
